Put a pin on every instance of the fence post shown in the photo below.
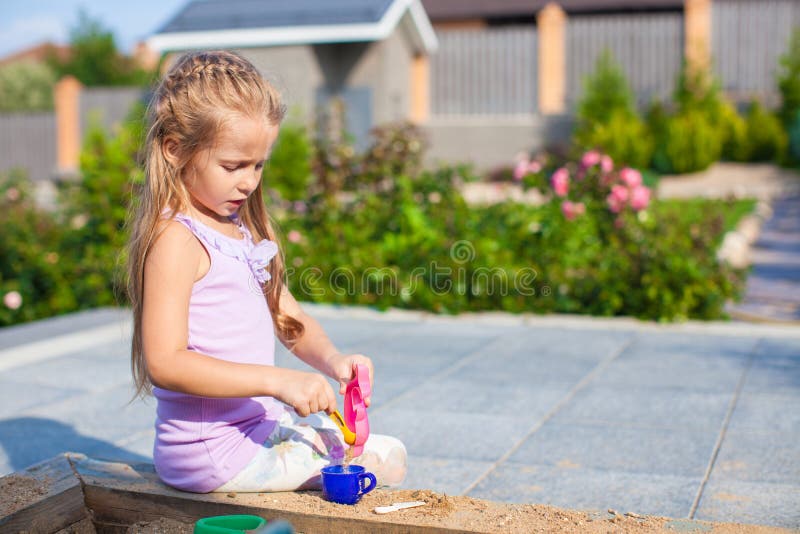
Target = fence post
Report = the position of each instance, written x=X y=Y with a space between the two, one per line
x=551 y=24
x=420 y=89
x=697 y=29
x=66 y=99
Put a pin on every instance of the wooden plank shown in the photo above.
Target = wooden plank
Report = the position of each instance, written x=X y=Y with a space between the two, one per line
x=119 y=494
x=48 y=498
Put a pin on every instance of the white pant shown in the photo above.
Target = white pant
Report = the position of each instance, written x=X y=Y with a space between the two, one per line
x=299 y=447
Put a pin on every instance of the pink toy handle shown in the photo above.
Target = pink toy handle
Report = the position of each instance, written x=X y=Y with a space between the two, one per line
x=355 y=410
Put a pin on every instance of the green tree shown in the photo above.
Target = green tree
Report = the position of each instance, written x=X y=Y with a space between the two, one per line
x=789 y=80
x=26 y=86
x=94 y=58
x=607 y=117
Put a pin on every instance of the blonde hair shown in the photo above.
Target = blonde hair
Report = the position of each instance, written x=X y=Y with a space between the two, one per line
x=189 y=106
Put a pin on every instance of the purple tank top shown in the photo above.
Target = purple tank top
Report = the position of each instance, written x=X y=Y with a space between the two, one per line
x=201 y=442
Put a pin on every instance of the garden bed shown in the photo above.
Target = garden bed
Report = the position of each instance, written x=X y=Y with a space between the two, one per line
x=72 y=493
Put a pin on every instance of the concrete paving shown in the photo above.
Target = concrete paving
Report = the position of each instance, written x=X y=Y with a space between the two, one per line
x=697 y=420
x=773 y=285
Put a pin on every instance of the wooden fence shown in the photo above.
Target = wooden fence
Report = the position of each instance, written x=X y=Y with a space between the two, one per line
x=28 y=142
x=748 y=39
x=648 y=47
x=485 y=72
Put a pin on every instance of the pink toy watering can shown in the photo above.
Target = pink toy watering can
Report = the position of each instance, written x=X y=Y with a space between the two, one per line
x=355 y=424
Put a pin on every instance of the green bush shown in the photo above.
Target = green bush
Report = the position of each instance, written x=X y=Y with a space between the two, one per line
x=789 y=81
x=624 y=137
x=794 y=138
x=735 y=140
x=702 y=128
x=35 y=281
x=598 y=245
x=289 y=168
x=768 y=140
x=689 y=142
x=26 y=86
x=606 y=118
x=95 y=208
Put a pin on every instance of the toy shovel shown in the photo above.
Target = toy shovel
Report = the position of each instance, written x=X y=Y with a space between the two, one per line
x=355 y=424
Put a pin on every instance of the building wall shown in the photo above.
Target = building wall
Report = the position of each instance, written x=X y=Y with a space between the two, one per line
x=491 y=142
x=294 y=70
x=748 y=38
x=28 y=142
x=647 y=46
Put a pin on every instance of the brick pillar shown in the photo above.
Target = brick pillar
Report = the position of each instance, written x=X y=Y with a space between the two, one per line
x=420 y=89
x=697 y=29
x=146 y=57
x=551 y=24
x=66 y=99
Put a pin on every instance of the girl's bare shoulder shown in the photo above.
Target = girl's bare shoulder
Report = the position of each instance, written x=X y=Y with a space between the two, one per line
x=175 y=244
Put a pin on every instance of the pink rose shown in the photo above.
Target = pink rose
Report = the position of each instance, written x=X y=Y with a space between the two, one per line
x=640 y=197
x=12 y=194
x=295 y=236
x=590 y=158
x=614 y=203
x=619 y=192
x=520 y=169
x=12 y=300
x=631 y=177
x=606 y=164
x=572 y=209
x=560 y=181
x=534 y=167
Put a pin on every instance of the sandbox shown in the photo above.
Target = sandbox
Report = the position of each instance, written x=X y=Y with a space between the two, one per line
x=72 y=493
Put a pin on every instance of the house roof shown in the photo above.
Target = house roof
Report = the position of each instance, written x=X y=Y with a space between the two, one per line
x=36 y=53
x=249 y=23
x=443 y=10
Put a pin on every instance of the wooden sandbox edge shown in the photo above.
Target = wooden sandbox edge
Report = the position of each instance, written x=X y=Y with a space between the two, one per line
x=57 y=504
x=120 y=494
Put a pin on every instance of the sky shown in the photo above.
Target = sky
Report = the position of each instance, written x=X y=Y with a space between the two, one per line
x=27 y=23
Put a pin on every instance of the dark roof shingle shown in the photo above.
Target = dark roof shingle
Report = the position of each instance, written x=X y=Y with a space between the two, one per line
x=441 y=10
x=206 y=15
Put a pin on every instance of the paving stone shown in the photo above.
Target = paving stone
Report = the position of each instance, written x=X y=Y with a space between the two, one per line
x=105 y=415
x=443 y=475
x=758 y=457
x=439 y=434
x=459 y=395
x=652 y=407
x=590 y=489
x=27 y=440
x=72 y=372
x=64 y=324
x=515 y=361
x=140 y=443
x=672 y=344
x=352 y=332
x=692 y=372
x=16 y=397
x=617 y=448
x=777 y=374
x=764 y=412
x=751 y=502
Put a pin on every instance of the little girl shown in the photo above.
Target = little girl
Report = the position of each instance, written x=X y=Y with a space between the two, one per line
x=206 y=282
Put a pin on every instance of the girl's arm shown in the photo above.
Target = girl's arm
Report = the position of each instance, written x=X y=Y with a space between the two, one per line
x=174 y=262
x=317 y=350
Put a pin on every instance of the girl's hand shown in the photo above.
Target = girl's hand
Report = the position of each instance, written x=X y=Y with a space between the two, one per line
x=343 y=369
x=307 y=393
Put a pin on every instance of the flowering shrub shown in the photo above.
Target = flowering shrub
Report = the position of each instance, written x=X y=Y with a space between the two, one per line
x=592 y=185
x=380 y=231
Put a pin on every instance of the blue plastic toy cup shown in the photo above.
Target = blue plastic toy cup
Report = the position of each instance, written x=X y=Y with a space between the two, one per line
x=346 y=485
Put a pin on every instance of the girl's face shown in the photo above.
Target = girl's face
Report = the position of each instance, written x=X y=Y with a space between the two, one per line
x=221 y=177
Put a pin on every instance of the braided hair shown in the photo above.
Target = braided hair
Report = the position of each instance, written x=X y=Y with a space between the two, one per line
x=192 y=101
